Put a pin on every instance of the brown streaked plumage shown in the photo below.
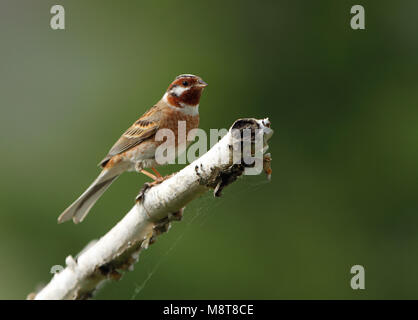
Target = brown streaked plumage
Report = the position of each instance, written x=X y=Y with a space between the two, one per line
x=143 y=129
x=135 y=149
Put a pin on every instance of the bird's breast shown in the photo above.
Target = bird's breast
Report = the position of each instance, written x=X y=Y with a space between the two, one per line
x=180 y=123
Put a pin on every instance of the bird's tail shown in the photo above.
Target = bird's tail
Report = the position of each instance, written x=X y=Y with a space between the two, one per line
x=81 y=207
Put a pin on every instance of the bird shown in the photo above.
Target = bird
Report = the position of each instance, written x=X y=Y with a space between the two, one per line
x=136 y=148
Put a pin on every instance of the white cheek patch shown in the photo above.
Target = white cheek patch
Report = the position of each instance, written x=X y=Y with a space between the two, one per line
x=178 y=90
x=185 y=108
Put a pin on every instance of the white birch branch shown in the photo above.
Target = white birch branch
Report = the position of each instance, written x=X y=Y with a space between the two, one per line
x=119 y=249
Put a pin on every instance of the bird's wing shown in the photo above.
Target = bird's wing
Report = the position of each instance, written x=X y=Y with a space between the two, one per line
x=144 y=128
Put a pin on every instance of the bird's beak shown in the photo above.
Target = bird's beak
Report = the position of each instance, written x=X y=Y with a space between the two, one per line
x=201 y=83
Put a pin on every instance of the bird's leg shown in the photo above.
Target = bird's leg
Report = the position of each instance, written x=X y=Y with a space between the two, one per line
x=157 y=180
x=139 y=169
x=149 y=174
x=156 y=172
x=160 y=178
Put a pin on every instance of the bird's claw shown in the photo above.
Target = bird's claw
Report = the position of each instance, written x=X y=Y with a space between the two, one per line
x=148 y=185
x=141 y=192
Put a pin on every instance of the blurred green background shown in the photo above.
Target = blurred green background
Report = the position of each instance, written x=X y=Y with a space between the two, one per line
x=343 y=103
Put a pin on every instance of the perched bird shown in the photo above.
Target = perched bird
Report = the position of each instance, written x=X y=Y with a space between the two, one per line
x=135 y=149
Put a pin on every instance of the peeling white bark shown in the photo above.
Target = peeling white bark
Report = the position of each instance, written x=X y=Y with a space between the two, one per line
x=119 y=249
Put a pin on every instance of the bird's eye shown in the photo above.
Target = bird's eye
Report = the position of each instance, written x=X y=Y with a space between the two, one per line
x=185 y=83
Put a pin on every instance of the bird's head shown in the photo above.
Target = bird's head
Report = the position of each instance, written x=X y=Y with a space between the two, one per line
x=185 y=91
